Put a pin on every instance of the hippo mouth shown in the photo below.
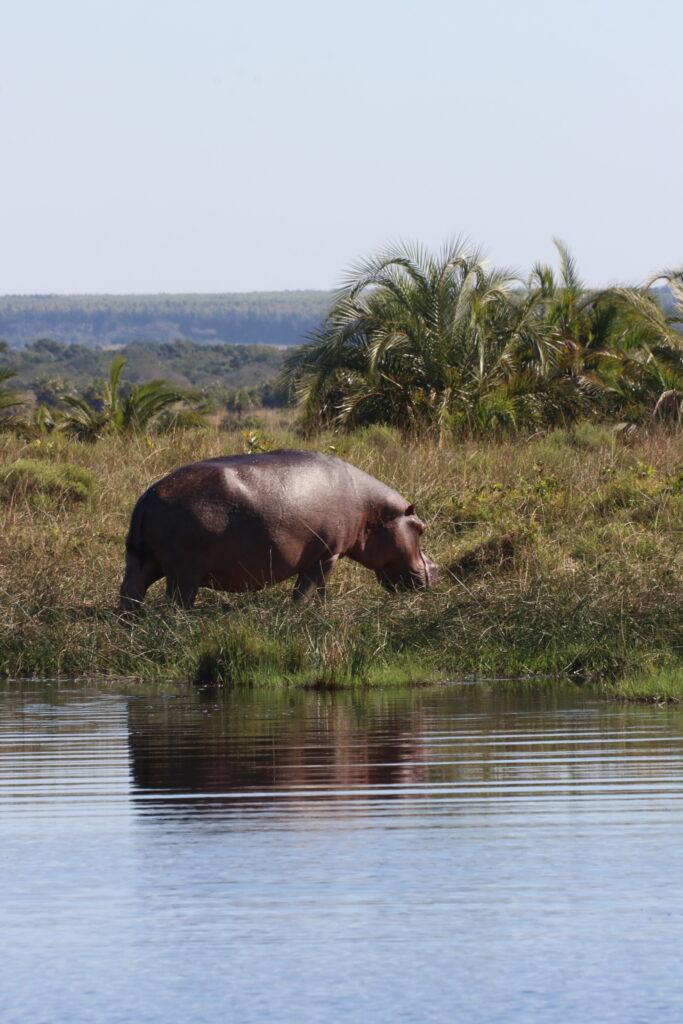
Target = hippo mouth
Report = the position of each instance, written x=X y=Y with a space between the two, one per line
x=420 y=578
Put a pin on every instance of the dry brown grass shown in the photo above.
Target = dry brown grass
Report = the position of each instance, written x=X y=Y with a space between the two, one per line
x=591 y=583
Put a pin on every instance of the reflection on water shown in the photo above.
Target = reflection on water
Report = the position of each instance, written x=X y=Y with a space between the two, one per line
x=248 y=752
x=421 y=856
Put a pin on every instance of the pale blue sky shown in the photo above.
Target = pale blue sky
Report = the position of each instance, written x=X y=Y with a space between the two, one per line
x=205 y=145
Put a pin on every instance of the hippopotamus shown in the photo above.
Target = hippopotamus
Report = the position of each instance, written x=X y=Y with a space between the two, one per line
x=242 y=522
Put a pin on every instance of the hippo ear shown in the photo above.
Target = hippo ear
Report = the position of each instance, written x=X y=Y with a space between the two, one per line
x=410 y=511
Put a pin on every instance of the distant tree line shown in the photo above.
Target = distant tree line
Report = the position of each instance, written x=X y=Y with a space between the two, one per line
x=264 y=318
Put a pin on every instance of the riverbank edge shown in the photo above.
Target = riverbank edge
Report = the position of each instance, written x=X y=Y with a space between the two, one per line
x=661 y=687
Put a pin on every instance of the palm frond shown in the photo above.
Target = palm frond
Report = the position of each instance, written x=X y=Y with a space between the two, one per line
x=568 y=272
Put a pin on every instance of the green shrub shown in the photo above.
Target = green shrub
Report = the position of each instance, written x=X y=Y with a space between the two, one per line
x=584 y=436
x=35 y=477
x=627 y=490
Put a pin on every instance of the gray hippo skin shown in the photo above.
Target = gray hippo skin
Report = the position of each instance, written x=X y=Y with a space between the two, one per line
x=246 y=521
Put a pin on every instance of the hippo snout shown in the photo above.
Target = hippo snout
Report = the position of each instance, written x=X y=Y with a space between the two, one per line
x=421 y=577
x=432 y=573
x=426 y=579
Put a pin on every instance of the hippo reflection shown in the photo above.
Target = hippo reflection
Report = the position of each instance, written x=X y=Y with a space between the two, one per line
x=315 y=745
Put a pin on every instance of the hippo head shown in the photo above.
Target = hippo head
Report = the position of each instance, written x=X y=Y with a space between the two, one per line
x=391 y=548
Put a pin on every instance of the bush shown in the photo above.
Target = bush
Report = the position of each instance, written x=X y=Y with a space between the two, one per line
x=32 y=476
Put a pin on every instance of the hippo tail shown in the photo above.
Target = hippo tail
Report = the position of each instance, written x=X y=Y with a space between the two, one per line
x=135 y=545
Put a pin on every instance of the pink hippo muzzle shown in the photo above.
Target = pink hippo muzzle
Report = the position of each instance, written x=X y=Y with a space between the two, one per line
x=422 y=576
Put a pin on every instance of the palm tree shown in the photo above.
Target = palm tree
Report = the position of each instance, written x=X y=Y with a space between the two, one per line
x=445 y=344
x=653 y=370
x=422 y=341
x=121 y=411
x=620 y=348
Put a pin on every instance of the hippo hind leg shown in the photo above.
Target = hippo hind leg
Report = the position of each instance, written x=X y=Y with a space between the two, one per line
x=312 y=583
x=139 y=575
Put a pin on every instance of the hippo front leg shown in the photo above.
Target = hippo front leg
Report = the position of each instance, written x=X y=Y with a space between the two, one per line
x=312 y=583
x=182 y=590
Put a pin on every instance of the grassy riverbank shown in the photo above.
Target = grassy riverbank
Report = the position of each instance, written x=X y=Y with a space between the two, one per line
x=658 y=686
x=563 y=551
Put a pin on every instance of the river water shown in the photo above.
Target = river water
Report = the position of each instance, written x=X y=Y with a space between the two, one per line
x=437 y=855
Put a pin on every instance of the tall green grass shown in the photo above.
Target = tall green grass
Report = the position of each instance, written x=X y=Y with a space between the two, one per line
x=561 y=554
x=654 y=686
